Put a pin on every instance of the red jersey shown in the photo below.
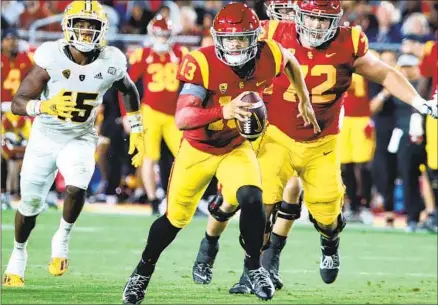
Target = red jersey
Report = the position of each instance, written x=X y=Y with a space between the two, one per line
x=429 y=65
x=328 y=72
x=202 y=67
x=356 y=99
x=160 y=86
x=13 y=72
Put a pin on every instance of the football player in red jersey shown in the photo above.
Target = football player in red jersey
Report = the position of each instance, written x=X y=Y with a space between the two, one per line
x=158 y=65
x=280 y=10
x=357 y=148
x=207 y=107
x=328 y=55
x=15 y=65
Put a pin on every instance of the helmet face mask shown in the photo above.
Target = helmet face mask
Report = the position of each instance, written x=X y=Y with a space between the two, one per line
x=236 y=49
x=235 y=31
x=317 y=26
x=85 y=33
x=85 y=29
x=280 y=10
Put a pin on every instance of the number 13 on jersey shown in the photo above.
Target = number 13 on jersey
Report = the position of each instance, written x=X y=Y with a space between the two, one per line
x=188 y=69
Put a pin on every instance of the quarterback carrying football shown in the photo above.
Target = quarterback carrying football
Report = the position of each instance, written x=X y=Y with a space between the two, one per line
x=207 y=107
x=62 y=91
x=328 y=55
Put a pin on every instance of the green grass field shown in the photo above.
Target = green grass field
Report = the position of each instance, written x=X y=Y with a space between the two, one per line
x=377 y=266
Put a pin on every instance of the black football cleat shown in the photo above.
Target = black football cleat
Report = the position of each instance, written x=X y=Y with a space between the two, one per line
x=431 y=223
x=271 y=262
x=135 y=289
x=330 y=260
x=256 y=282
x=202 y=271
x=276 y=279
x=244 y=285
x=261 y=282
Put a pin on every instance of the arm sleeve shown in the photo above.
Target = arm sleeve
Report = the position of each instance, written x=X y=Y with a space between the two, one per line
x=190 y=113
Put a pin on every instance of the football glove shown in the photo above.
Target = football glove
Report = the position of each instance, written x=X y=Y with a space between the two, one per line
x=136 y=138
x=426 y=107
x=136 y=142
x=59 y=105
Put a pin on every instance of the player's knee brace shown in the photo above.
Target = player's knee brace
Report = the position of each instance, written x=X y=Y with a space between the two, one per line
x=289 y=211
x=216 y=212
x=249 y=196
x=329 y=233
x=270 y=221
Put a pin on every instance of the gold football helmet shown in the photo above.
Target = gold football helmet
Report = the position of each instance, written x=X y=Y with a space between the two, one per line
x=85 y=25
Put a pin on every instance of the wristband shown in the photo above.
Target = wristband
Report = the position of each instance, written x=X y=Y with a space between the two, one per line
x=33 y=107
x=382 y=96
x=418 y=103
x=134 y=119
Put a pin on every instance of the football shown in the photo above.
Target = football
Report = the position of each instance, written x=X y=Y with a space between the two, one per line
x=254 y=127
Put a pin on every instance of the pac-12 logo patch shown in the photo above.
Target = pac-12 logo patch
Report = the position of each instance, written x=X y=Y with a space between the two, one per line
x=66 y=73
x=223 y=88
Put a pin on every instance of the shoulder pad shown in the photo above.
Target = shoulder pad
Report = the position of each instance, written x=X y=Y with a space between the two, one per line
x=44 y=54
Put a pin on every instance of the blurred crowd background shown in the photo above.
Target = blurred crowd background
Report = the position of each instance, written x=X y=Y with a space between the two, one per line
x=399 y=32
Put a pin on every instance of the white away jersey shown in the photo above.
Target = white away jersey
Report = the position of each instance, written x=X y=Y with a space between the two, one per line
x=87 y=84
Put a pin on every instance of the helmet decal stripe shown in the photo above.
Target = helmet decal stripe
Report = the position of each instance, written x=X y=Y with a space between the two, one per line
x=88 y=6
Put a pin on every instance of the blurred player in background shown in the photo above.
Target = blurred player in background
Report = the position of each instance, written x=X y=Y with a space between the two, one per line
x=15 y=131
x=15 y=66
x=158 y=65
x=428 y=88
x=280 y=10
x=62 y=91
x=384 y=164
x=357 y=149
x=328 y=55
x=215 y=79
